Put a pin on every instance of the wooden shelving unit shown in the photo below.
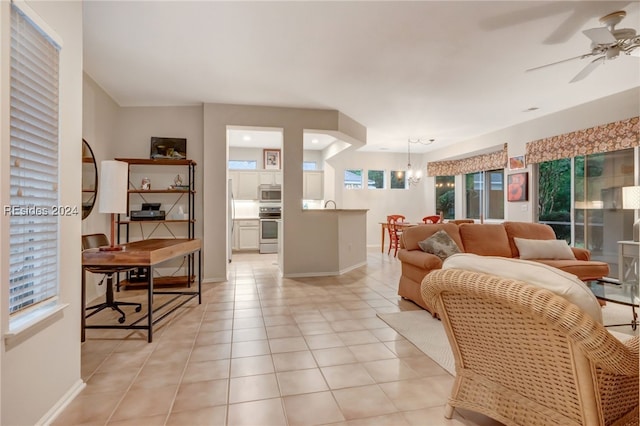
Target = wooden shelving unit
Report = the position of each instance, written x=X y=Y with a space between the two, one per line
x=133 y=280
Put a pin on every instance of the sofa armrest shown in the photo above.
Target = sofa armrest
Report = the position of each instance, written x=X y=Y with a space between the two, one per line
x=420 y=259
x=581 y=254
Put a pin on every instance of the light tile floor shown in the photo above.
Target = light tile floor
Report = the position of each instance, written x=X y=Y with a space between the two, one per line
x=262 y=350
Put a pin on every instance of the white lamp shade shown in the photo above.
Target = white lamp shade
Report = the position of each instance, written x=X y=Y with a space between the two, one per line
x=113 y=185
x=631 y=197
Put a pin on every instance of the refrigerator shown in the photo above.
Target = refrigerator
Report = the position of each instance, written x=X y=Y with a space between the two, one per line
x=231 y=213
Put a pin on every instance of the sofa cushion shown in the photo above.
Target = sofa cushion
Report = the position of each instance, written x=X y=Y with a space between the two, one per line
x=559 y=282
x=413 y=235
x=528 y=230
x=585 y=271
x=543 y=249
x=440 y=244
x=485 y=239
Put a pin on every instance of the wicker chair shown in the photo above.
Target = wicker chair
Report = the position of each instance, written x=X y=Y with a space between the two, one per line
x=525 y=356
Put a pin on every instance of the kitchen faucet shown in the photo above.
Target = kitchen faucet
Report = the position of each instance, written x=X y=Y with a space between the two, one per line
x=330 y=201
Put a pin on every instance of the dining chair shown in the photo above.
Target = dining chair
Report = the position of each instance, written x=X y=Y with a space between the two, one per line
x=98 y=240
x=431 y=219
x=395 y=232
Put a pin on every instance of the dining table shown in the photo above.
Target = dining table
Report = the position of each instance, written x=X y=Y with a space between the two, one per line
x=384 y=226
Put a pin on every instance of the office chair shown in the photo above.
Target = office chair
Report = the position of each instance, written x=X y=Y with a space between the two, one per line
x=95 y=241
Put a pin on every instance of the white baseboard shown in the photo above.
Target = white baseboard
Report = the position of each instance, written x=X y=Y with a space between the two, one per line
x=325 y=273
x=62 y=403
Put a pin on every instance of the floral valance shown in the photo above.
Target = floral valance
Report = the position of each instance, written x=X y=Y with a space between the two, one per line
x=478 y=163
x=605 y=138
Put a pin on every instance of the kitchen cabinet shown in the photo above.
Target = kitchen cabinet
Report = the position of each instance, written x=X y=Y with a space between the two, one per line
x=244 y=184
x=313 y=185
x=246 y=234
x=270 y=177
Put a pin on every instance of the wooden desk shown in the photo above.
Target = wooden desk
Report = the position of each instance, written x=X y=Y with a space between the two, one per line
x=384 y=231
x=144 y=254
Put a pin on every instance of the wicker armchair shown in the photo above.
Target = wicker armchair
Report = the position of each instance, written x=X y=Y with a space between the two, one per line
x=525 y=356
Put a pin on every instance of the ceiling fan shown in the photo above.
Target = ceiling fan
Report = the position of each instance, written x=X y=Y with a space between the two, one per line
x=607 y=43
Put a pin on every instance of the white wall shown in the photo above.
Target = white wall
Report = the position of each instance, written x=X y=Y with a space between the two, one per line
x=300 y=254
x=132 y=139
x=40 y=369
x=412 y=202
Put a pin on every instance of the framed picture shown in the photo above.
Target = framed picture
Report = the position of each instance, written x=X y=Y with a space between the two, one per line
x=168 y=148
x=271 y=159
x=517 y=163
x=517 y=186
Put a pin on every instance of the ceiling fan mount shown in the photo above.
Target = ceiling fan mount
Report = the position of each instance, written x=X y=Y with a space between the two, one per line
x=607 y=43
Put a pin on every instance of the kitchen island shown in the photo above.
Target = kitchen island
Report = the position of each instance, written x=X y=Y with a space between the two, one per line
x=335 y=242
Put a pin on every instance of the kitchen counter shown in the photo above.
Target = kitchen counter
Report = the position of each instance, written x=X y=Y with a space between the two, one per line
x=336 y=210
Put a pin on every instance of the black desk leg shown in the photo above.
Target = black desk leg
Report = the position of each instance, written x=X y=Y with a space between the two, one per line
x=150 y=306
x=83 y=320
x=199 y=277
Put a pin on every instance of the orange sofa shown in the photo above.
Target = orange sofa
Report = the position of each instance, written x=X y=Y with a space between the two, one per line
x=485 y=240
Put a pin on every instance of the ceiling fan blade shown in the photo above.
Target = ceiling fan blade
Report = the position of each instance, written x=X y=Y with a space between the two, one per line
x=588 y=69
x=600 y=35
x=586 y=55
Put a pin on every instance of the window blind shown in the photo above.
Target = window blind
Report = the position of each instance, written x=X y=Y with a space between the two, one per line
x=33 y=224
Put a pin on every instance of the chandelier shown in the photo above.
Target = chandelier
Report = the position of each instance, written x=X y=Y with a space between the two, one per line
x=414 y=178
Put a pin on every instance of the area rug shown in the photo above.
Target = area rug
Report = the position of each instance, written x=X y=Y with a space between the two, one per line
x=427 y=333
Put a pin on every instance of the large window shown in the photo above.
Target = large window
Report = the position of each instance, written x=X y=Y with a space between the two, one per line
x=243 y=164
x=597 y=182
x=33 y=210
x=353 y=179
x=375 y=179
x=484 y=195
x=397 y=179
x=445 y=196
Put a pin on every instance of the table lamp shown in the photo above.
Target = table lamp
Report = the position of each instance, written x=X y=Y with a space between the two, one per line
x=631 y=200
x=112 y=194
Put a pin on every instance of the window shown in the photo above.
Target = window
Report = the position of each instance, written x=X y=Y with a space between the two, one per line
x=375 y=179
x=484 y=194
x=243 y=164
x=353 y=179
x=33 y=223
x=445 y=196
x=397 y=179
x=309 y=165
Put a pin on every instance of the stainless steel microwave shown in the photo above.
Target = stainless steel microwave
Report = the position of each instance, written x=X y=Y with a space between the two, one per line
x=270 y=193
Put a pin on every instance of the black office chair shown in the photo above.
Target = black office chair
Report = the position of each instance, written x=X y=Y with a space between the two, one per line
x=95 y=241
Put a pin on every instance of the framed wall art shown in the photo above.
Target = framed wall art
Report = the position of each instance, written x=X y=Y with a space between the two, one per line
x=517 y=163
x=518 y=187
x=271 y=159
x=168 y=148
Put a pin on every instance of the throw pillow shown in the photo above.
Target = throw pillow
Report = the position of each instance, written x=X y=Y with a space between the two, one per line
x=559 y=282
x=544 y=249
x=440 y=244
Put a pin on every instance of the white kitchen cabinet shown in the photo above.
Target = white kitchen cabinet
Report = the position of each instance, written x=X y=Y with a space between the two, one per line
x=313 y=185
x=244 y=184
x=246 y=234
x=270 y=177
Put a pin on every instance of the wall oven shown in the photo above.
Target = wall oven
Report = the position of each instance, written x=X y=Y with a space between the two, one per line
x=269 y=218
x=270 y=193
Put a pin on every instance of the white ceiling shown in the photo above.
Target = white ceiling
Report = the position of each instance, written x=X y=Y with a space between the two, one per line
x=447 y=70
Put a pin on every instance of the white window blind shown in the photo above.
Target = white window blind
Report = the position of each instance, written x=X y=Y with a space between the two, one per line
x=33 y=221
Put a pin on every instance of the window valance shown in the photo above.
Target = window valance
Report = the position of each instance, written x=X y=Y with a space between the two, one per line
x=613 y=136
x=477 y=163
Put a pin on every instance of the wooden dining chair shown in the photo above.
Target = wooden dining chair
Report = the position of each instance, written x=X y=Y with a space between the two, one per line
x=431 y=219
x=395 y=232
